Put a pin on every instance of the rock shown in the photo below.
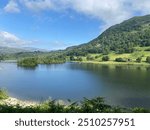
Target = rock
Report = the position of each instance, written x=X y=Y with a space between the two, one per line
x=13 y=101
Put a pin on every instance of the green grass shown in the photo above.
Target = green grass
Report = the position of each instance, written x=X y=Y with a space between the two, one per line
x=139 y=52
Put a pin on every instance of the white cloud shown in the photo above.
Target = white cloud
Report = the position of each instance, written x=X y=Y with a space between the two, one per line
x=142 y=6
x=10 y=40
x=12 y=7
x=37 y=5
x=110 y=12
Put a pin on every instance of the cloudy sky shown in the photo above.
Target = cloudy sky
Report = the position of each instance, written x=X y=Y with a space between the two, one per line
x=56 y=24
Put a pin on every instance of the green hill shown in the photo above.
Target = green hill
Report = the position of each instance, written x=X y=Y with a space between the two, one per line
x=121 y=38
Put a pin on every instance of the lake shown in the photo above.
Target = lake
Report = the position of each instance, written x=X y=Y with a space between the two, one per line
x=124 y=85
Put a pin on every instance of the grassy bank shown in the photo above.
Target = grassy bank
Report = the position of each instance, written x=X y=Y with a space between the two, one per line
x=138 y=57
x=96 y=105
x=117 y=63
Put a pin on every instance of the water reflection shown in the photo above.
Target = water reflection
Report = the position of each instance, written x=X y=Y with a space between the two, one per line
x=124 y=85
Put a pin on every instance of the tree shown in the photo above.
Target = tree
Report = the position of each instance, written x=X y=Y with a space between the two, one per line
x=28 y=62
x=139 y=59
x=90 y=58
x=148 y=59
x=120 y=60
x=72 y=58
x=105 y=58
x=79 y=59
x=1 y=57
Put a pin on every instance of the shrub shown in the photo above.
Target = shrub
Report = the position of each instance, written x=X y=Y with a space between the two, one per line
x=120 y=60
x=139 y=59
x=73 y=58
x=1 y=57
x=79 y=59
x=129 y=60
x=105 y=58
x=96 y=105
x=148 y=59
x=90 y=57
x=140 y=110
x=148 y=49
x=96 y=57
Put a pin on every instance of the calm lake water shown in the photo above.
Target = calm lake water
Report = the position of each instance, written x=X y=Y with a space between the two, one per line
x=127 y=86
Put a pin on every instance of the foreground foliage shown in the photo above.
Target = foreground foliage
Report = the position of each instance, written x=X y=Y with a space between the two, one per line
x=96 y=105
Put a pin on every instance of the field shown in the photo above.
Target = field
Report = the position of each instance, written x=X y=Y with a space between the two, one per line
x=140 y=52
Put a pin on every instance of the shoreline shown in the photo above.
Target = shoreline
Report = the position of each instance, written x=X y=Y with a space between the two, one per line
x=115 y=63
x=10 y=101
x=13 y=105
x=95 y=62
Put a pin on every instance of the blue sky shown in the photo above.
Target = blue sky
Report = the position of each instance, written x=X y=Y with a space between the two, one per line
x=57 y=24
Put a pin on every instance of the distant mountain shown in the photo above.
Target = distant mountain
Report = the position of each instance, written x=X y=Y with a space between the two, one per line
x=4 y=50
x=120 y=38
x=10 y=50
x=32 y=49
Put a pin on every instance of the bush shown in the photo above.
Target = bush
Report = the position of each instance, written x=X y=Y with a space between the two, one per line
x=140 y=110
x=148 y=49
x=139 y=59
x=3 y=94
x=96 y=57
x=1 y=57
x=148 y=59
x=129 y=60
x=90 y=57
x=96 y=105
x=105 y=58
x=120 y=60
x=79 y=59
x=72 y=58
